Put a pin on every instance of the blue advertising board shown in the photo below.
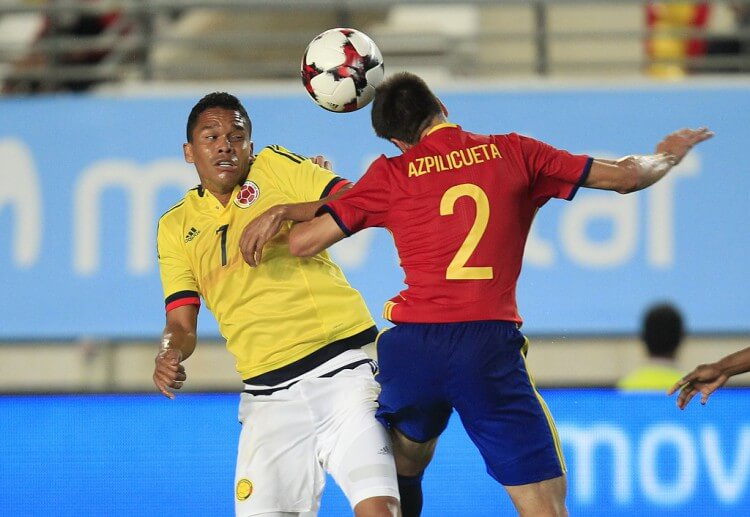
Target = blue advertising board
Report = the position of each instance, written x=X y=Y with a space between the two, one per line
x=85 y=179
x=143 y=455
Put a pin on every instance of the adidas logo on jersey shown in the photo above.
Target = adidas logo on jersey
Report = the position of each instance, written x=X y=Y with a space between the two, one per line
x=385 y=450
x=192 y=234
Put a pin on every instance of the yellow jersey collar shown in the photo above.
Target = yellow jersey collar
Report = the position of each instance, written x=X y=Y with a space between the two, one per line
x=440 y=126
x=210 y=203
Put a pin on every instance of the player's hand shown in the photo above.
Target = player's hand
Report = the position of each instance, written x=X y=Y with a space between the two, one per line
x=679 y=143
x=258 y=232
x=705 y=379
x=321 y=161
x=169 y=374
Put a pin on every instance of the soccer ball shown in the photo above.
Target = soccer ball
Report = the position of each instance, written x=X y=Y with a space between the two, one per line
x=341 y=69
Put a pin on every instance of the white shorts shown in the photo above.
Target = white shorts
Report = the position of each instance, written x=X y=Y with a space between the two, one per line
x=292 y=437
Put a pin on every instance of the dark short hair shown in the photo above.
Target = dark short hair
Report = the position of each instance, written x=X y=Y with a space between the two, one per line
x=403 y=107
x=216 y=100
x=662 y=330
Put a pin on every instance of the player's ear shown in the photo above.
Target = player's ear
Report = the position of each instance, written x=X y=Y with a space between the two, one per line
x=187 y=151
x=403 y=146
x=443 y=108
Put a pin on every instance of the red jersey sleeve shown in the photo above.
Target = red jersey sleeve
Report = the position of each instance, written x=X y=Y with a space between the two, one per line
x=366 y=204
x=553 y=172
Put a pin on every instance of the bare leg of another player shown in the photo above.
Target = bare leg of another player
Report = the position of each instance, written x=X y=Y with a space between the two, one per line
x=380 y=506
x=372 y=507
x=411 y=459
x=542 y=499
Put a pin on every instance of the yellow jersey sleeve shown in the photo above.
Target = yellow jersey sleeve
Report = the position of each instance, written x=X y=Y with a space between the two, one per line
x=296 y=176
x=178 y=282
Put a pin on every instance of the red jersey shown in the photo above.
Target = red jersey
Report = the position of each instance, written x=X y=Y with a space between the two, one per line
x=459 y=206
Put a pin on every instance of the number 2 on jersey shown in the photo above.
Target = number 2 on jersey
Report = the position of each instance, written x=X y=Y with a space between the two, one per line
x=457 y=269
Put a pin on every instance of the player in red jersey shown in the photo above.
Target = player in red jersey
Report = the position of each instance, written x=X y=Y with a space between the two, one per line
x=460 y=206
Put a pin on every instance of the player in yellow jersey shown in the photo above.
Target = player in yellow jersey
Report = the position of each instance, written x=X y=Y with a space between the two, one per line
x=662 y=333
x=295 y=326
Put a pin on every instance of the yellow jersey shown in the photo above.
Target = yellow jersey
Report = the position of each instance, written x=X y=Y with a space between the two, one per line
x=650 y=377
x=286 y=308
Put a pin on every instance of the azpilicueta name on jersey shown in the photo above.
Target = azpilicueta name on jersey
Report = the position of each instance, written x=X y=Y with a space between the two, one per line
x=454 y=159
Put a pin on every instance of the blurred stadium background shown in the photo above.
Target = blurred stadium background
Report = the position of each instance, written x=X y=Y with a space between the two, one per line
x=95 y=95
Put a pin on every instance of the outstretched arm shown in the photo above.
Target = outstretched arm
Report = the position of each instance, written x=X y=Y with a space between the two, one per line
x=707 y=378
x=177 y=344
x=636 y=172
x=264 y=227
x=312 y=237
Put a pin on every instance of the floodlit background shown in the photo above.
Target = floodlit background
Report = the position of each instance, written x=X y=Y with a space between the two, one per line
x=95 y=96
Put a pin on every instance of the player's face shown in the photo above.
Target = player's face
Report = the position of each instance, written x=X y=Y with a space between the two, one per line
x=221 y=150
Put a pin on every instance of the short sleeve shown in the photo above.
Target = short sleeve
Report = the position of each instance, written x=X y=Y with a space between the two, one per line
x=554 y=172
x=178 y=282
x=296 y=176
x=367 y=203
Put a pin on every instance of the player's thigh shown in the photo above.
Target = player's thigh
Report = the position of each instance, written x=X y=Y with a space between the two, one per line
x=353 y=446
x=411 y=457
x=278 y=437
x=500 y=408
x=412 y=373
x=542 y=499
x=379 y=506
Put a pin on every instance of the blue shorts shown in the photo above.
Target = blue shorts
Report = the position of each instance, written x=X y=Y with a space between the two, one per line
x=478 y=368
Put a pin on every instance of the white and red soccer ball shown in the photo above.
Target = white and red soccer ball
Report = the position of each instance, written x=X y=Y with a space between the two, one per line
x=341 y=69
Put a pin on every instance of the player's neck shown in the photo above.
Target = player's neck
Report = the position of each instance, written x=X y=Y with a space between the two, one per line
x=224 y=196
x=436 y=121
x=221 y=197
